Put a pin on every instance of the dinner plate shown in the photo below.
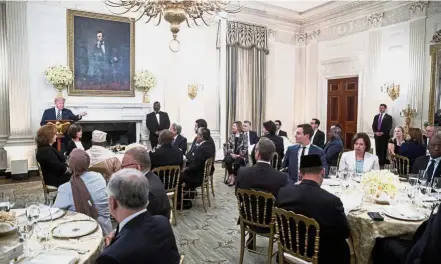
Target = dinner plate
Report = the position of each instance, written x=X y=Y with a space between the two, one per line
x=7 y=228
x=74 y=229
x=331 y=182
x=56 y=213
x=404 y=213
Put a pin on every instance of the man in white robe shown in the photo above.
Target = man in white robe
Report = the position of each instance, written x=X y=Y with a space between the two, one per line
x=98 y=152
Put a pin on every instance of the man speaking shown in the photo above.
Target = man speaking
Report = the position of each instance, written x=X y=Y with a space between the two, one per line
x=59 y=113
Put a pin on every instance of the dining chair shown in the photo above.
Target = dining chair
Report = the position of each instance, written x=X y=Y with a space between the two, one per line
x=401 y=164
x=169 y=176
x=47 y=189
x=275 y=160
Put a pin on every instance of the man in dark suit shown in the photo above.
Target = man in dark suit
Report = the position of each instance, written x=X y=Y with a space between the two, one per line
x=381 y=127
x=269 y=130
x=193 y=174
x=308 y=199
x=139 y=237
x=297 y=152
x=430 y=132
x=166 y=154
x=179 y=141
x=138 y=158
x=430 y=163
x=318 y=138
x=334 y=147
x=59 y=113
x=157 y=121
x=251 y=135
x=280 y=132
x=198 y=124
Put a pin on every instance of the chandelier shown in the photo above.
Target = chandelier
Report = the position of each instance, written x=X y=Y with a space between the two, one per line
x=173 y=11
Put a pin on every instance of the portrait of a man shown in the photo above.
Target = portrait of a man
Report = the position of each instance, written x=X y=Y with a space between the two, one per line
x=101 y=54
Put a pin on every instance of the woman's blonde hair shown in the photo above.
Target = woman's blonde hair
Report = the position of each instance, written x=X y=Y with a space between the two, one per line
x=401 y=128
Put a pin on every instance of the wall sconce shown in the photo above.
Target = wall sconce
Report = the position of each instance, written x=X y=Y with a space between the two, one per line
x=193 y=90
x=392 y=90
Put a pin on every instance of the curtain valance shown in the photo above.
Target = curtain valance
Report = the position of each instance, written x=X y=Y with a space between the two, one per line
x=247 y=36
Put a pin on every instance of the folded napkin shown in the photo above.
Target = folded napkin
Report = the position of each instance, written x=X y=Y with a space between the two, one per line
x=351 y=202
x=51 y=257
x=331 y=182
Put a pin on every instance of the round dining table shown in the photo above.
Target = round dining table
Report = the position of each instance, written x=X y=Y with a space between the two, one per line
x=86 y=247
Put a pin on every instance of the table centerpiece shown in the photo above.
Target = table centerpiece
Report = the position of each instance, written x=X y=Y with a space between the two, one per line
x=381 y=185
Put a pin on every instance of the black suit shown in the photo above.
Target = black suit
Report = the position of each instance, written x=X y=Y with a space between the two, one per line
x=166 y=155
x=382 y=141
x=194 y=143
x=319 y=139
x=282 y=133
x=253 y=137
x=422 y=163
x=181 y=143
x=53 y=166
x=153 y=126
x=280 y=149
x=193 y=174
x=144 y=239
x=158 y=200
x=308 y=199
x=50 y=114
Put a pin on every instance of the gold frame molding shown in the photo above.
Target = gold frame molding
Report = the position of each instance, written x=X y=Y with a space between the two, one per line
x=435 y=49
x=70 y=14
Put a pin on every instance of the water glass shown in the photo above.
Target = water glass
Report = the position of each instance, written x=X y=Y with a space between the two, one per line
x=411 y=193
x=33 y=211
x=413 y=179
x=25 y=228
x=436 y=186
x=422 y=177
x=333 y=172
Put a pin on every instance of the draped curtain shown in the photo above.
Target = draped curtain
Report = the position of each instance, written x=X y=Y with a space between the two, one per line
x=247 y=48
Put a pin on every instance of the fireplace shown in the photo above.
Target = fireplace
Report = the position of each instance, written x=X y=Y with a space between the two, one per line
x=121 y=132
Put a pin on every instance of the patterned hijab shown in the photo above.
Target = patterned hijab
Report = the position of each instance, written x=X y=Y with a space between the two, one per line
x=79 y=163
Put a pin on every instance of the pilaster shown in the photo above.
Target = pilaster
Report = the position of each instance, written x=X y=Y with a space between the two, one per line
x=4 y=100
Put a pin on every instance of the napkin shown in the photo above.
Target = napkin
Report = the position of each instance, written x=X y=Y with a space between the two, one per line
x=63 y=257
x=331 y=182
x=44 y=214
x=383 y=198
x=351 y=202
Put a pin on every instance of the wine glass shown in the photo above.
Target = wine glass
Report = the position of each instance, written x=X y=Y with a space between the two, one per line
x=333 y=172
x=388 y=166
x=9 y=200
x=422 y=177
x=33 y=211
x=436 y=186
x=413 y=179
x=25 y=229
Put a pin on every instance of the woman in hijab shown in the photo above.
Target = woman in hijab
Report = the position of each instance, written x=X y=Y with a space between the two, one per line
x=85 y=192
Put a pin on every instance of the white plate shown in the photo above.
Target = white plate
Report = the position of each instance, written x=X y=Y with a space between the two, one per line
x=74 y=229
x=7 y=228
x=404 y=213
x=331 y=182
x=56 y=213
x=53 y=257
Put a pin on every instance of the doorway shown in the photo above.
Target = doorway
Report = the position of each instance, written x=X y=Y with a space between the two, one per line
x=343 y=107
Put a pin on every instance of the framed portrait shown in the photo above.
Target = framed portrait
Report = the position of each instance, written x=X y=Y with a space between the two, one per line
x=101 y=54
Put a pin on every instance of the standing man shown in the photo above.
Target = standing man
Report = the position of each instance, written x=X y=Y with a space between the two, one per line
x=381 y=126
x=318 y=138
x=156 y=121
x=251 y=135
x=280 y=132
x=59 y=113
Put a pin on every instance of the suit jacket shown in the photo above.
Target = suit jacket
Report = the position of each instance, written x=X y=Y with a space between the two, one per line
x=308 y=199
x=144 y=239
x=195 y=169
x=153 y=126
x=158 y=200
x=437 y=120
x=319 y=139
x=181 y=143
x=66 y=114
x=53 y=166
x=332 y=150
x=421 y=164
x=261 y=177
x=282 y=133
x=291 y=160
x=412 y=150
x=280 y=148
x=253 y=137
x=166 y=155
x=194 y=143
x=347 y=162
x=386 y=125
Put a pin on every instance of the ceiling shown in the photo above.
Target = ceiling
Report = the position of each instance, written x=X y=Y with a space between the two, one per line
x=298 y=6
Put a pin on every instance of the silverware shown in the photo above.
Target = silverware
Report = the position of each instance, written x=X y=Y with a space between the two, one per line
x=79 y=251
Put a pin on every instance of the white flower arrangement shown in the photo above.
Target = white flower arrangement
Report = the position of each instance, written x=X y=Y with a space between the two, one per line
x=59 y=76
x=380 y=182
x=144 y=80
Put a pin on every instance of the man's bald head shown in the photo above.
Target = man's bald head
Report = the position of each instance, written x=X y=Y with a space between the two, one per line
x=137 y=156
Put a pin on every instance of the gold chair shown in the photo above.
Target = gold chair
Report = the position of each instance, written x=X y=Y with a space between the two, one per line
x=275 y=160
x=169 y=176
x=47 y=189
x=256 y=212
x=289 y=239
x=204 y=186
x=181 y=261
x=402 y=164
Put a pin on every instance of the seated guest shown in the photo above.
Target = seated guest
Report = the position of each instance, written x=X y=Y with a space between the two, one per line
x=138 y=158
x=85 y=192
x=249 y=134
x=395 y=143
x=430 y=163
x=318 y=138
x=52 y=162
x=140 y=237
x=413 y=147
x=359 y=160
x=98 y=151
x=198 y=124
x=166 y=155
x=428 y=135
x=193 y=174
x=269 y=131
x=295 y=153
x=179 y=141
x=334 y=146
x=75 y=132
x=235 y=152
x=280 y=132
x=308 y=199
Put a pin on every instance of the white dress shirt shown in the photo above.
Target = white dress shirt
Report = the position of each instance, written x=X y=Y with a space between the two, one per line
x=128 y=218
x=315 y=132
x=300 y=153
x=157 y=117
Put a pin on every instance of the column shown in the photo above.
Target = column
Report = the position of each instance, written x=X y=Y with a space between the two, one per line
x=4 y=100
x=20 y=144
x=311 y=85
x=300 y=74
x=373 y=81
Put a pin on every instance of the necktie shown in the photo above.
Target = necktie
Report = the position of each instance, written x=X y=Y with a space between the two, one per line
x=303 y=152
x=430 y=169
x=173 y=142
x=59 y=115
x=380 y=120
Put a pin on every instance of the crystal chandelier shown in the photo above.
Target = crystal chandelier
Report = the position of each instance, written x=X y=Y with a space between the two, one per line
x=173 y=11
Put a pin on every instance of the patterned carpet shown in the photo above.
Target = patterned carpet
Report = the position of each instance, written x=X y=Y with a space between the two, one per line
x=214 y=237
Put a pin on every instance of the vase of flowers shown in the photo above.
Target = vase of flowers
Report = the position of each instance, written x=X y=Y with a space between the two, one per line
x=144 y=81
x=380 y=184
x=59 y=76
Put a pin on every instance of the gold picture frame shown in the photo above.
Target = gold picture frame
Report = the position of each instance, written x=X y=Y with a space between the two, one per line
x=98 y=70
x=435 y=53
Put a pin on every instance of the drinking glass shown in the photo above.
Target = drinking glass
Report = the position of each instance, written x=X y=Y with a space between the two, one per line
x=33 y=211
x=413 y=179
x=333 y=172
x=388 y=166
x=9 y=200
x=411 y=192
x=25 y=229
x=422 y=177
x=436 y=186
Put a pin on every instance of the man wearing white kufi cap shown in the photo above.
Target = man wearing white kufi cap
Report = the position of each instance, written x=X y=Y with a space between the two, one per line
x=98 y=152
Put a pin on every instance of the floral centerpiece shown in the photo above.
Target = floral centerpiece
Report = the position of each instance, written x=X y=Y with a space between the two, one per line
x=381 y=183
x=59 y=76
x=144 y=81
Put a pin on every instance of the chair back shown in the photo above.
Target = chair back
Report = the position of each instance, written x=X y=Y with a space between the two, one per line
x=42 y=180
x=169 y=176
x=275 y=160
x=255 y=208
x=208 y=167
x=297 y=234
x=402 y=164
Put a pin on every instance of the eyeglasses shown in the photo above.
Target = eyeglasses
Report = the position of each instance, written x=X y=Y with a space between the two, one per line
x=128 y=165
